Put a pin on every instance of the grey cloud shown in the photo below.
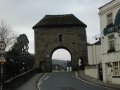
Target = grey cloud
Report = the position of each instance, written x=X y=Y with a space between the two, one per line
x=23 y=14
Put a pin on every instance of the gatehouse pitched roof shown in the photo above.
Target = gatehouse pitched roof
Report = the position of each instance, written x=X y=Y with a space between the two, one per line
x=59 y=20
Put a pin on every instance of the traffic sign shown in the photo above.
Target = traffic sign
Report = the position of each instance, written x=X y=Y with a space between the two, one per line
x=2 y=47
x=2 y=59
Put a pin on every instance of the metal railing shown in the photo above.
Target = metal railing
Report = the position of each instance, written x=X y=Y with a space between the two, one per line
x=7 y=81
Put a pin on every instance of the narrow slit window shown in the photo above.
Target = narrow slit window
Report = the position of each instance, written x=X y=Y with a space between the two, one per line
x=60 y=38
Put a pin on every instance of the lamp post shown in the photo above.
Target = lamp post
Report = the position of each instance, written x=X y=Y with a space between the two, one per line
x=2 y=61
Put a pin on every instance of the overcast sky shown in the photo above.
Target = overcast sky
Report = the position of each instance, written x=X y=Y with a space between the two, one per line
x=61 y=54
x=22 y=15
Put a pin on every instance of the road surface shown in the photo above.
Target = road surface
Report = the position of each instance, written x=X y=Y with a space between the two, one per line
x=65 y=81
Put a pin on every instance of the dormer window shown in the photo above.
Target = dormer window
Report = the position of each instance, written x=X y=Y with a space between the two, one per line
x=109 y=19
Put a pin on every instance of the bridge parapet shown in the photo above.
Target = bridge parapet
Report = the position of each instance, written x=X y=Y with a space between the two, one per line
x=15 y=82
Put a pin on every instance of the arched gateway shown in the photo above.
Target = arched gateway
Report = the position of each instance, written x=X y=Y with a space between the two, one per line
x=60 y=31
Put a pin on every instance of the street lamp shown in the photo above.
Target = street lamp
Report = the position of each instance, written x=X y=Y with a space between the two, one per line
x=2 y=61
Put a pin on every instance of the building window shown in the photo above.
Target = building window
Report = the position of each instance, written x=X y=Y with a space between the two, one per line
x=111 y=42
x=116 y=68
x=109 y=19
x=60 y=38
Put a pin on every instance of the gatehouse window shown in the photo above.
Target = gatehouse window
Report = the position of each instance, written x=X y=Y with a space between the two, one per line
x=111 y=42
x=60 y=38
x=109 y=19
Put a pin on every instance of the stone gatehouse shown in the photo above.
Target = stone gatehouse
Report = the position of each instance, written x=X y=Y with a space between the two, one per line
x=60 y=31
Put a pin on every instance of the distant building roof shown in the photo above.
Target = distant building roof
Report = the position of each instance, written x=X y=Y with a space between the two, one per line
x=97 y=43
x=89 y=44
x=59 y=20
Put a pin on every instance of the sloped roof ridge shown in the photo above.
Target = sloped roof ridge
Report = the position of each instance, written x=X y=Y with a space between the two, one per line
x=59 y=20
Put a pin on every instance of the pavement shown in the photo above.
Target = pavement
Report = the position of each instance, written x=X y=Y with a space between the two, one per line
x=32 y=83
x=92 y=80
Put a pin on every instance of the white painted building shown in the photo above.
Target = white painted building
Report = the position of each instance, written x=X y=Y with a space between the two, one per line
x=94 y=60
x=94 y=53
x=110 y=41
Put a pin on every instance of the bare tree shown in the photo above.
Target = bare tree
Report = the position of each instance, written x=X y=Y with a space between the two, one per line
x=7 y=35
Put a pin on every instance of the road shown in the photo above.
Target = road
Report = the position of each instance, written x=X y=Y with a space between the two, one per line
x=65 y=81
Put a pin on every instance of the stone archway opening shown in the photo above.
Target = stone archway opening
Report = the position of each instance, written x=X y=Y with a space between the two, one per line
x=61 y=60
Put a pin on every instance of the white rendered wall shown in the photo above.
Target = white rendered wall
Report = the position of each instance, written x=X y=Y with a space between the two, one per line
x=116 y=80
x=92 y=72
x=94 y=54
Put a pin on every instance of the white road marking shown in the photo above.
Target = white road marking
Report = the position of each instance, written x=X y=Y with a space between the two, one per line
x=40 y=81
x=76 y=75
x=38 y=85
x=46 y=77
x=39 y=88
